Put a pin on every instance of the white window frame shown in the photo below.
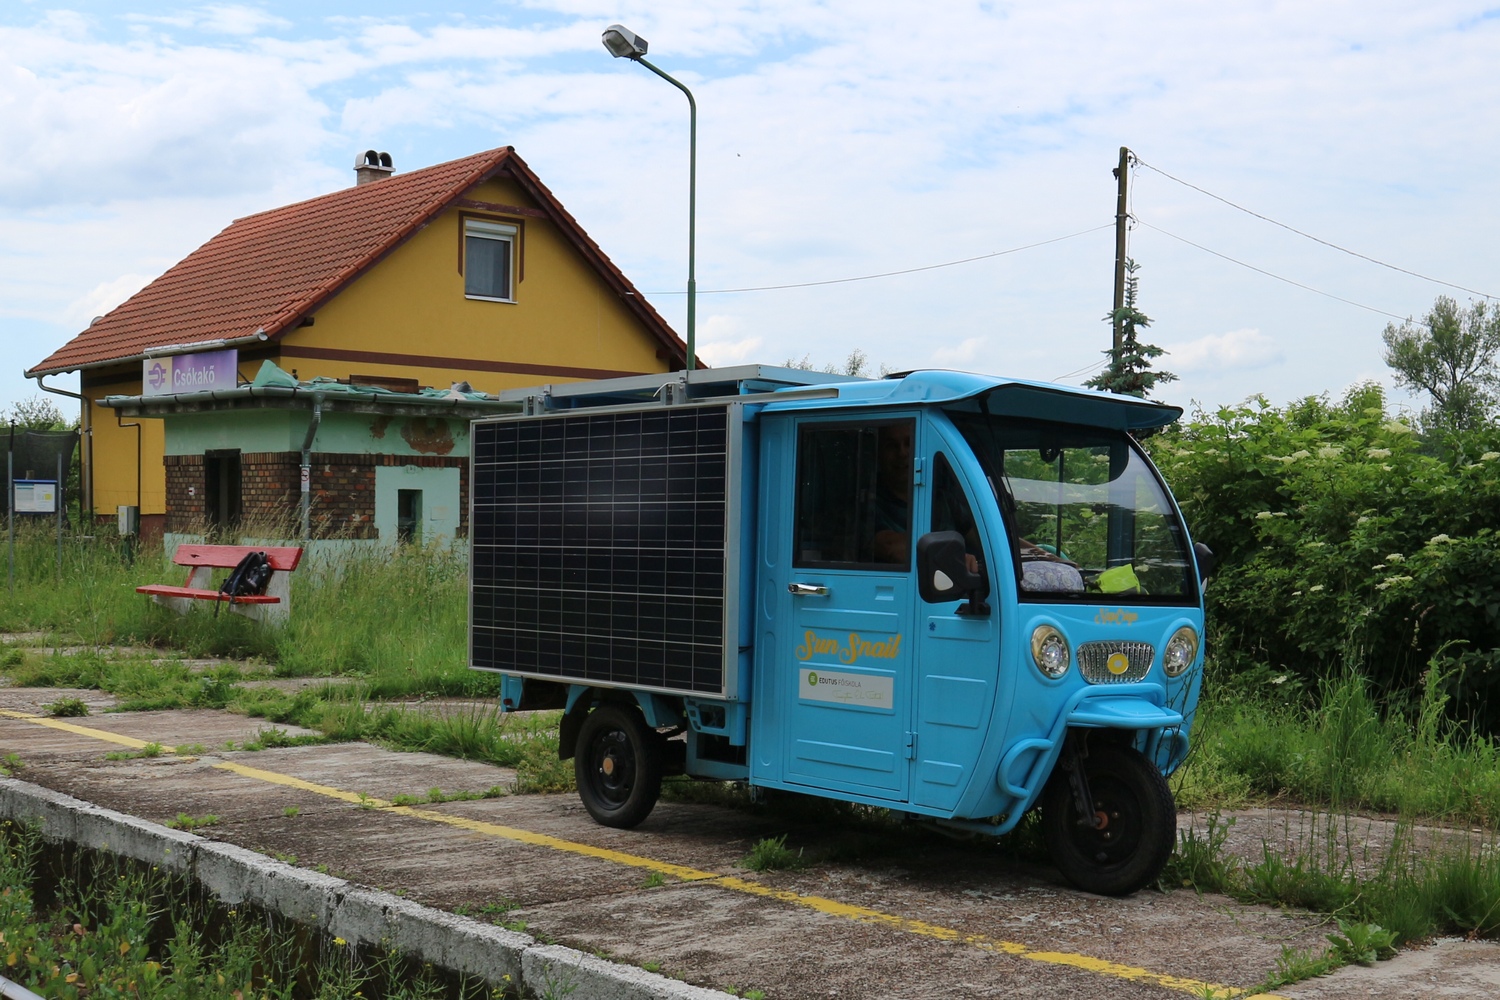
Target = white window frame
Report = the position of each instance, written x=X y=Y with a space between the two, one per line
x=501 y=232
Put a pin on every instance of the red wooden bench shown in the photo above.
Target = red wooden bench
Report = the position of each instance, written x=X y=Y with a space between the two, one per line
x=274 y=604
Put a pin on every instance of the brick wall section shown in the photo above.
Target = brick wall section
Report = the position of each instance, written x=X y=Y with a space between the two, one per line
x=343 y=489
x=184 y=512
x=269 y=486
x=343 y=494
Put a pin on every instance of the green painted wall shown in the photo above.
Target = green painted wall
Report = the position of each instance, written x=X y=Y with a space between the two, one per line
x=439 y=502
x=344 y=433
x=247 y=430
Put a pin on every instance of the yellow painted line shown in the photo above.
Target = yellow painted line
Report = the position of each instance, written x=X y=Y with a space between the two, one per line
x=473 y=825
x=68 y=727
x=819 y=904
x=277 y=778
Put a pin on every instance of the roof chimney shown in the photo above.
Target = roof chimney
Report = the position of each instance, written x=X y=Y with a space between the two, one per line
x=372 y=166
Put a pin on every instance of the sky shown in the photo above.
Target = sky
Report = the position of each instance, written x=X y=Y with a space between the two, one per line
x=836 y=140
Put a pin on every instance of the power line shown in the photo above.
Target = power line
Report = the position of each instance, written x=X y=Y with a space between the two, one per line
x=1085 y=370
x=1269 y=274
x=1309 y=236
x=888 y=274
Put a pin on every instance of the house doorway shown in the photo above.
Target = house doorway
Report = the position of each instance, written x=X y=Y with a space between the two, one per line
x=221 y=489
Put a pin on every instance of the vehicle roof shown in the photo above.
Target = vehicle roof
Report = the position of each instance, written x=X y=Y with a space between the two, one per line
x=780 y=389
x=1006 y=397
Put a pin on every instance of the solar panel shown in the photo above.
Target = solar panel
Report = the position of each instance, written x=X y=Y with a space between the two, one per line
x=598 y=547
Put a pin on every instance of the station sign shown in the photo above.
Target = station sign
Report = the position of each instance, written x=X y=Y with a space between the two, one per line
x=177 y=373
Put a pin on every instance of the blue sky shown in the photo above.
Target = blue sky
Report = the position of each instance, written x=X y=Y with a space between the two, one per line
x=836 y=139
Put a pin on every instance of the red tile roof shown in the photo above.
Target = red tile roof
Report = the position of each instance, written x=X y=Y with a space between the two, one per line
x=265 y=272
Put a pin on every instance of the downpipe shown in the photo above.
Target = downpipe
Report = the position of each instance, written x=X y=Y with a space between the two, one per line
x=306 y=471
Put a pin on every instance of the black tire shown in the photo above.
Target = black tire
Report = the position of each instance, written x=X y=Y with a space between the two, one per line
x=618 y=764
x=1131 y=849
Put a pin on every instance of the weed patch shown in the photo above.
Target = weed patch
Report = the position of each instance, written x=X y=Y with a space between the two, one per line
x=83 y=924
x=772 y=854
x=149 y=750
x=1380 y=901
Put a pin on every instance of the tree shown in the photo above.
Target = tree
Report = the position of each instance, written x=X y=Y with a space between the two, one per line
x=1129 y=370
x=857 y=363
x=35 y=414
x=1450 y=356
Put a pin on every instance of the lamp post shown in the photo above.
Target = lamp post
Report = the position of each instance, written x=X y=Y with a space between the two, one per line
x=624 y=43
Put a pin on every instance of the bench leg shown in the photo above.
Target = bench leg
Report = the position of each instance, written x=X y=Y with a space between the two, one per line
x=181 y=605
x=269 y=614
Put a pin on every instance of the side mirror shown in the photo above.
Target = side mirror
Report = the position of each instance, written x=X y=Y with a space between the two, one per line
x=1205 y=558
x=943 y=572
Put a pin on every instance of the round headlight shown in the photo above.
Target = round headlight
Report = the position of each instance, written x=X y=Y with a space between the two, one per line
x=1181 y=651
x=1049 y=650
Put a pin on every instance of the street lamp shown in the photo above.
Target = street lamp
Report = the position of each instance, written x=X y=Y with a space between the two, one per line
x=624 y=43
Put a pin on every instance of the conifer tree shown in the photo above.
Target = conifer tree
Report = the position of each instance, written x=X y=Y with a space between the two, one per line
x=1129 y=370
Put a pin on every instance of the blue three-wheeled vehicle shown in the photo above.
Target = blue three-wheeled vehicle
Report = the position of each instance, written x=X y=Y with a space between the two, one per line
x=950 y=595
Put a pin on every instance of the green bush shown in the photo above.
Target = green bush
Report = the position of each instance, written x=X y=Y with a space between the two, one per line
x=1340 y=529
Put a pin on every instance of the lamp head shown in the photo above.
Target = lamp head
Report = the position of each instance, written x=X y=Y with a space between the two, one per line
x=622 y=42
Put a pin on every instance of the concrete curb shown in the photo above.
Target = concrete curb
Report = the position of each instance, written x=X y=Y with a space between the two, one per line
x=357 y=914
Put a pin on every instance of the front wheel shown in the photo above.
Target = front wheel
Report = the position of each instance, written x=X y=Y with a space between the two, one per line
x=618 y=765
x=1136 y=823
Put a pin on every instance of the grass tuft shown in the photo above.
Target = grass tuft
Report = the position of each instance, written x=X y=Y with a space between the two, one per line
x=66 y=708
x=772 y=854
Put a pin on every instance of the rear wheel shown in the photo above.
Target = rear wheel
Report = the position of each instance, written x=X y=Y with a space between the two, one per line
x=1126 y=843
x=618 y=765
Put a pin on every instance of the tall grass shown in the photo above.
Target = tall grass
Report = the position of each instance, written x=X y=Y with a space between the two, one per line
x=1338 y=747
x=396 y=618
x=79 y=924
x=1451 y=886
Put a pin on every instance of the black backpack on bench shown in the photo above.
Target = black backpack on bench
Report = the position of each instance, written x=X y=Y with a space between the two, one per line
x=250 y=576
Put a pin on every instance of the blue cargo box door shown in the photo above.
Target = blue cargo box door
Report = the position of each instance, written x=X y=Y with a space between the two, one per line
x=843 y=657
x=847 y=683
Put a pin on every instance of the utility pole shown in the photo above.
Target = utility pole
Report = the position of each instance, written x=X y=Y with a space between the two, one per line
x=1122 y=176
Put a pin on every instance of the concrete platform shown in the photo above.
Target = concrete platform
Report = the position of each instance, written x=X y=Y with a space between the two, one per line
x=904 y=916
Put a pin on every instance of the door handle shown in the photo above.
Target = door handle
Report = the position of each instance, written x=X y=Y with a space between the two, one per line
x=807 y=589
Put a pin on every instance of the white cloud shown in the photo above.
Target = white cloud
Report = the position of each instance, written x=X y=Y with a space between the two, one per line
x=960 y=353
x=830 y=146
x=227 y=19
x=103 y=297
x=723 y=341
x=1242 y=350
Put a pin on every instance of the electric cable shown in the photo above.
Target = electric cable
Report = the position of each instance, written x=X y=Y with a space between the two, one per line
x=1085 y=370
x=1309 y=236
x=1271 y=274
x=887 y=274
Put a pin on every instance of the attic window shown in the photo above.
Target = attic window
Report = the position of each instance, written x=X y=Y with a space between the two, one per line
x=489 y=260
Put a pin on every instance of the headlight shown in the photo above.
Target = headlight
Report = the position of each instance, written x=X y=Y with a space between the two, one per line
x=1181 y=651
x=1049 y=650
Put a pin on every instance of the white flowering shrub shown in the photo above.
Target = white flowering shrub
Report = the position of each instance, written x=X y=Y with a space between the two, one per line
x=1337 y=528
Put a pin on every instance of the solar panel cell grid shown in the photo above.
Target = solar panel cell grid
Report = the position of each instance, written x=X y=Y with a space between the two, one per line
x=599 y=547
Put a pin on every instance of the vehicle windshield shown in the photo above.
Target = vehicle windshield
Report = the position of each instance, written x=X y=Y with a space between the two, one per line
x=1088 y=518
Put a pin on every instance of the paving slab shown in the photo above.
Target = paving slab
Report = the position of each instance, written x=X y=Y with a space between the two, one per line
x=916 y=916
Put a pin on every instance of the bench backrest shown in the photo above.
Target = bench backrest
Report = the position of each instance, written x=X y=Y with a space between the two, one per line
x=282 y=558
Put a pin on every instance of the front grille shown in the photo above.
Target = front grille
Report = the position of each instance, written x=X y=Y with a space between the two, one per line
x=1094 y=657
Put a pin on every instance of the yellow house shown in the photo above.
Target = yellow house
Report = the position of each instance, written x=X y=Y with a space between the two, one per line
x=468 y=271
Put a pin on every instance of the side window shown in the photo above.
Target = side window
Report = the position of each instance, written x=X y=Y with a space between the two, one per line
x=950 y=507
x=854 y=486
x=489 y=260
